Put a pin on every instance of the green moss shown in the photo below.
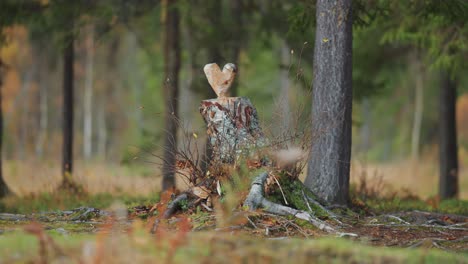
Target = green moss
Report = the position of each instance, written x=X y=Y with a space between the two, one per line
x=294 y=191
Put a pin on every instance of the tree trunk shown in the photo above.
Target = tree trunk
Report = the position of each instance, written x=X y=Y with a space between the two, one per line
x=88 y=97
x=102 y=131
x=171 y=90
x=4 y=190
x=418 y=109
x=26 y=83
x=67 y=152
x=448 y=181
x=329 y=164
x=43 y=82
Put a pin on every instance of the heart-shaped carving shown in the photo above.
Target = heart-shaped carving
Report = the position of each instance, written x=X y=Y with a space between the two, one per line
x=219 y=80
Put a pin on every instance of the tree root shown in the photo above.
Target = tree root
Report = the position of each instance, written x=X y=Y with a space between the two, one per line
x=255 y=200
x=172 y=207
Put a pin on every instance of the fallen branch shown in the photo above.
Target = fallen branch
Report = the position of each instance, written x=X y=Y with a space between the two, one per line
x=13 y=217
x=451 y=227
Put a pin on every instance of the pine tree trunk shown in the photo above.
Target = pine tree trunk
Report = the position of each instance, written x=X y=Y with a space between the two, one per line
x=4 y=190
x=329 y=164
x=67 y=152
x=448 y=182
x=88 y=97
x=171 y=90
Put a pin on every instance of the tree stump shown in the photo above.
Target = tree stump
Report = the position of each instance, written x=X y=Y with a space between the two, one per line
x=234 y=131
x=232 y=127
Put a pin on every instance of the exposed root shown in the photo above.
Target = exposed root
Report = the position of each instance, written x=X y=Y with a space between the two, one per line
x=255 y=200
x=172 y=207
x=329 y=212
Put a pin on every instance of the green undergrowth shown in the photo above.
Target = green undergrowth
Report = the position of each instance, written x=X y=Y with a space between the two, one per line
x=215 y=247
x=396 y=204
x=295 y=193
x=65 y=200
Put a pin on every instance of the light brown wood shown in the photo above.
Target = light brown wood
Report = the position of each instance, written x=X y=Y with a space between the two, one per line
x=219 y=80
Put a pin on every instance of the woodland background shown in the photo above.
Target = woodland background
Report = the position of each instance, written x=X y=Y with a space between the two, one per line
x=399 y=50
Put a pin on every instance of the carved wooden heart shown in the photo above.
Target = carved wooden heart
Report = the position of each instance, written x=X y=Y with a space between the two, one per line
x=219 y=80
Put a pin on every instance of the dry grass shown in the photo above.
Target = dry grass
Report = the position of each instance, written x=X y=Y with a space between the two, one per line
x=33 y=177
x=419 y=178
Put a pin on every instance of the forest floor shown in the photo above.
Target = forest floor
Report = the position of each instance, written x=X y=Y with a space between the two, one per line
x=386 y=224
x=121 y=234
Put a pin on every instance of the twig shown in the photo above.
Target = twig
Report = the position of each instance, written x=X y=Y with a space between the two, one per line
x=429 y=226
x=307 y=202
x=251 y=222
x=398 y=218
x=206 y=207
x=281 y=190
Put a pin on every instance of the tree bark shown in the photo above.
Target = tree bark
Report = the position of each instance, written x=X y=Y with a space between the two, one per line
x=67 y=152
x=329 y=164
x=448 y=156
x=88 y=96
x=233 y=127
x=171 y=90
x=4 y=190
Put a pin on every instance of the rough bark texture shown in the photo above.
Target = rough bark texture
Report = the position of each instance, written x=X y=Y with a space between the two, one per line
x=448 y=182
x=171 y=90
x=328 y=173
x=68 y=108
x=3 y=186
x=232 y=127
